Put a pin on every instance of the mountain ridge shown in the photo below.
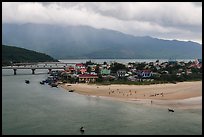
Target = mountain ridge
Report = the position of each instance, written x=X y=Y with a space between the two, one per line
x=65 y=42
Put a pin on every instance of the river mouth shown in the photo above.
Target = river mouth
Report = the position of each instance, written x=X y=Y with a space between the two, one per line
x=35 y=109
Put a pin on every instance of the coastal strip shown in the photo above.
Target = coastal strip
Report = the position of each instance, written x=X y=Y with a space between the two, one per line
x=186 y=95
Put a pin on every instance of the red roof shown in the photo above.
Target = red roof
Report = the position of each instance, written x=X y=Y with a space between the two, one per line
x=71 y=68
x=147 y=71
x=88 y=76
x=83 y=69
x=79 y=64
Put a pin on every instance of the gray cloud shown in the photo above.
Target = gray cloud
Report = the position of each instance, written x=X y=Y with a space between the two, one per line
x=197 y=3
x=179 y=20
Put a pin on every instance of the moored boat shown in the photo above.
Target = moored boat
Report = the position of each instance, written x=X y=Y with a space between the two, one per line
x=71 y=90
x=54 y=85
x=27 y=81
x=42 y=82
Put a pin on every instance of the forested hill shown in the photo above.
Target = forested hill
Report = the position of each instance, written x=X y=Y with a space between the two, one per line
x=21 y=55
x=65 y=42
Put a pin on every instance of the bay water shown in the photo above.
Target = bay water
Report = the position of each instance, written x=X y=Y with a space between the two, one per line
x=35 y=109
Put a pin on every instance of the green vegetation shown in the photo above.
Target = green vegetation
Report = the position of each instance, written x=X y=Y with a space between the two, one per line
x=12 y=54
x=117 y=66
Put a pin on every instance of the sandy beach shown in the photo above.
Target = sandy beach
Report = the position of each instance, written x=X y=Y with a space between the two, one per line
x=185 y=95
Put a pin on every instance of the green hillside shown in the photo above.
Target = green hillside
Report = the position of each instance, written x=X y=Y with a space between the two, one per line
x=66 y=42
x=19 y=55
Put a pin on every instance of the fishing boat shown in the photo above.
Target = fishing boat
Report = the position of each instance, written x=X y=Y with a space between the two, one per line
x=54 y=85
x=82 y=129
x=42 y=82
x=27 y=81
x=71 y=90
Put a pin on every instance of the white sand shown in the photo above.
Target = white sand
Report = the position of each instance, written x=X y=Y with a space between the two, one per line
x=180 y=95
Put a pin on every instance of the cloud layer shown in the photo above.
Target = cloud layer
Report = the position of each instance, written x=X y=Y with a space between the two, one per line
x=179 y=20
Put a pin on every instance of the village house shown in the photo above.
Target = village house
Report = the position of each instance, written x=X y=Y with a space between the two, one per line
x=87 y=78
x=93 y=67
x=121 y=73
x=70 y=69
x=163 y=65
x=172 y=62
x=144 y=73
x=158 y=68
x=105 y=71
x=197 y=63
x=79 y=66
x=188 y=71
x=83 y=70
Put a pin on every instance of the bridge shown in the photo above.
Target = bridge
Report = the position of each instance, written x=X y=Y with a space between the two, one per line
x=34 y=66
x=43 y=63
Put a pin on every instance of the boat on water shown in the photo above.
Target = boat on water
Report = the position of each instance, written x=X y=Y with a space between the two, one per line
x=27 y=81
x=54 y=85
x=82 y=129
x=42 y=82
x=71 y=90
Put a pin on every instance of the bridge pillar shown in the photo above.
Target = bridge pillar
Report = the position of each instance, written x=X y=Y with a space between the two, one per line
x=14 y=70
x=33 y=71
x=50 y=70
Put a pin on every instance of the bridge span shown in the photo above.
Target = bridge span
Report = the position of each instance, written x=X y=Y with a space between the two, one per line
x=34 y=66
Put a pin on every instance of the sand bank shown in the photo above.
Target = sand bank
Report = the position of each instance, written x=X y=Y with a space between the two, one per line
x=180 y=95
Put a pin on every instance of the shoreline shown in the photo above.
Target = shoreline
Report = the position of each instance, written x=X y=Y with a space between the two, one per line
x=183 y=95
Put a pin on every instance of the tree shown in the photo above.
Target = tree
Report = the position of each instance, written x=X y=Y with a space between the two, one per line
x=97 y=70
x=117 y=66
x=195 y=70
x=89 y=63
x=104 y=63
x=89 y=69
x=140 y=66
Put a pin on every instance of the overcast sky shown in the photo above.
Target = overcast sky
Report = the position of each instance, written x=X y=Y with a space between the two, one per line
x=167 y=20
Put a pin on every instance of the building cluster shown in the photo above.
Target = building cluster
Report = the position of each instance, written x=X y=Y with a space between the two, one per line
x=82 y=72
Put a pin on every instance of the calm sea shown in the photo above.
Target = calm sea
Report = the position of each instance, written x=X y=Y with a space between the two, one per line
x=34 y=109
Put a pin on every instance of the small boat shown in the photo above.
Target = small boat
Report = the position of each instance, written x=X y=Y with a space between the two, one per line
x=27 y=81
x=71 y=90
x=42 y=82
x=82 y=129
x=170 y=110
x=54 y=85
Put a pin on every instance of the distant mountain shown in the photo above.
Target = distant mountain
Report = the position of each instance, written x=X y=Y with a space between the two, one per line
x=20 y=55
x=65 y=42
